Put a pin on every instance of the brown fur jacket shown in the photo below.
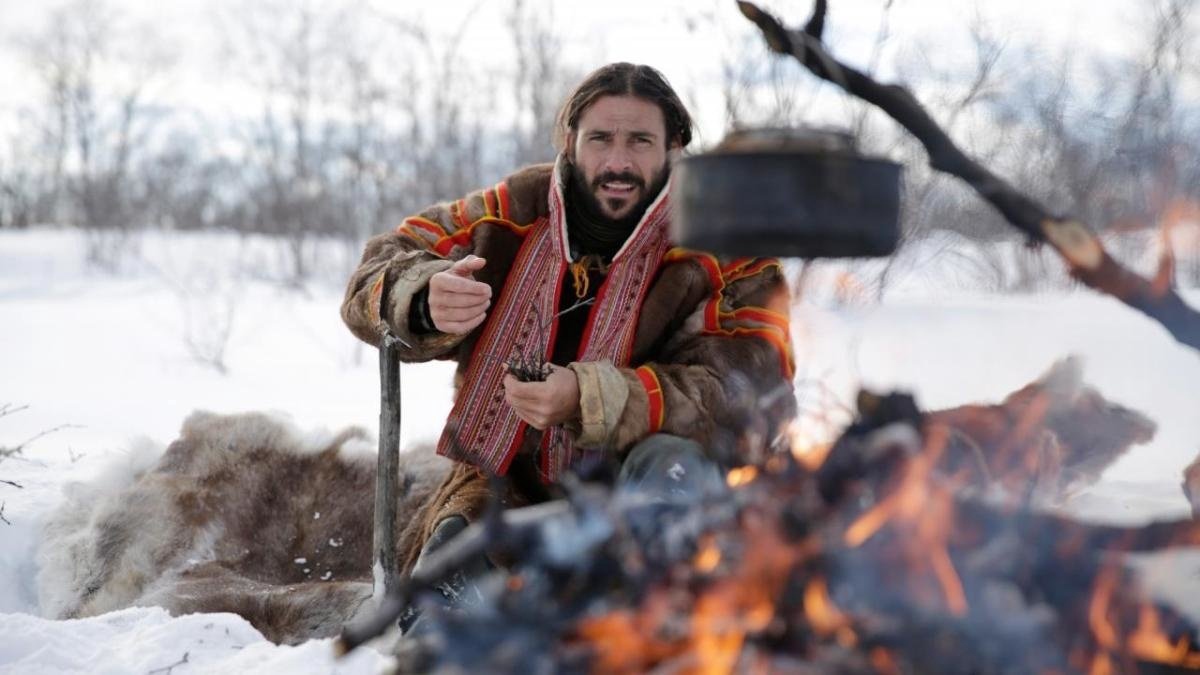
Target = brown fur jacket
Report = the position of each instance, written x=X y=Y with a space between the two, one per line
x=714 y=331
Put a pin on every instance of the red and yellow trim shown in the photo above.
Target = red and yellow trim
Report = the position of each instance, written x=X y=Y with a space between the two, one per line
x=489 y=203
x=502 y=208
x=760 y=315
x=375 y=305
x=768 y=325
x=413 y=223
x=750 y=268
x=654 y=395
x=437 y=238
x=458 y=212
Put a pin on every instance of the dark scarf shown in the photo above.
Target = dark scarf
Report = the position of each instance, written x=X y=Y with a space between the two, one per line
x=589 y=231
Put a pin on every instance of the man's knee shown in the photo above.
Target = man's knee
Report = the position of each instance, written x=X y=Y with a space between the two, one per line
x=670 y=467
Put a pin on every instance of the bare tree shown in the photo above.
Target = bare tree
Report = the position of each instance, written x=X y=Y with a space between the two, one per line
x=281 y=49
x=540 y=80
x=1111 y=153
x=360 y=121
x=932 y=200
x=97 y=119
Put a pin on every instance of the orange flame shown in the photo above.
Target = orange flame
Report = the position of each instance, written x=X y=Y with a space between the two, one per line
x=883 y=662
x=722 y=618
x=1147 y=642
x=1150 y=643
x=1102 y=628
x=824 y=616
x=812 y=456
x=820 y=421
x=630 y=639
x=1101 y=665
x=947 y=576
x=709 y=555
x=718 y=635
x=725 y=611
x=742 y=475
x=907 y=502
x=928 y=509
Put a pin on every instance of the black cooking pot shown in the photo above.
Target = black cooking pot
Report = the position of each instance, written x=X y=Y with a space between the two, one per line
x=786 y=192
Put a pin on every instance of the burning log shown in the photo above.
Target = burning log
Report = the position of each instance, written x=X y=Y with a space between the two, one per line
x=1046 y=440
x=1085 y=255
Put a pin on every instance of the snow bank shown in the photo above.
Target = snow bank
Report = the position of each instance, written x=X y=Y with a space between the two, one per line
x=147 y=639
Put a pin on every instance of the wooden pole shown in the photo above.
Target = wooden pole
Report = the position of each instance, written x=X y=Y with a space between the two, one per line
x=387 y=474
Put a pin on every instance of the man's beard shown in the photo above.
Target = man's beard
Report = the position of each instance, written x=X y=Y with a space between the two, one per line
x=584 y=195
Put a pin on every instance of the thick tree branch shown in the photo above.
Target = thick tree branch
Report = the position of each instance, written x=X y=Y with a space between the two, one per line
x=1085 y=256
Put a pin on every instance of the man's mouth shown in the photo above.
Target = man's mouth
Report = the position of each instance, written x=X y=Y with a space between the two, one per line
x=618 y=188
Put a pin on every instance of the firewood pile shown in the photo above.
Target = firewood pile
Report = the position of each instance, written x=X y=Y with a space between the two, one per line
x=885 y=553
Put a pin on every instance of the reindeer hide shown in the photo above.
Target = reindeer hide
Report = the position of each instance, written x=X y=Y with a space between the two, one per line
x=240 y=514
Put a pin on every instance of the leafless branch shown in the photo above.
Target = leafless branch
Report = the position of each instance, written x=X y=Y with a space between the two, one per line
x=12 y=451
x=1085 y=255
x=7 y=409
x=42 y=434
x=20 y=447
x=6 y=520
x=883 y=33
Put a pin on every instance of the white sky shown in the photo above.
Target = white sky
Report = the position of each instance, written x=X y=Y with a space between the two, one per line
x=686 y=39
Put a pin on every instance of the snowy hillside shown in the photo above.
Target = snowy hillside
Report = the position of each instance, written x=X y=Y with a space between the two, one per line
x=201 y=322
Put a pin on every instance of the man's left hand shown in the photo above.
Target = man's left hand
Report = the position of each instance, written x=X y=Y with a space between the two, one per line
x=544 y=404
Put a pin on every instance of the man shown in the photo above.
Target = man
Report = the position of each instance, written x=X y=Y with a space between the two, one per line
x=665 y=360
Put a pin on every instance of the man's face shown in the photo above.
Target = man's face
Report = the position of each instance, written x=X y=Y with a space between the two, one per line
x=620 y=153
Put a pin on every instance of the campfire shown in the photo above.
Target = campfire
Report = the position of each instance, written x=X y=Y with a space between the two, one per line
x=885 y=552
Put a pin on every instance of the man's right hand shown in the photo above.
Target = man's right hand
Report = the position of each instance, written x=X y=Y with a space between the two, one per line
x=457 y=302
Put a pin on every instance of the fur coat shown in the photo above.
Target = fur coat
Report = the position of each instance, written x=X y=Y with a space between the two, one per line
x=713 y=332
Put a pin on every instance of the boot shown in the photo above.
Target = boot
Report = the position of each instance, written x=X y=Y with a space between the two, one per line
x=459 y=590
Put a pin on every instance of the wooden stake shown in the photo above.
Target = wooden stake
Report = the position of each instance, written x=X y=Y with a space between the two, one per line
x=387 y=473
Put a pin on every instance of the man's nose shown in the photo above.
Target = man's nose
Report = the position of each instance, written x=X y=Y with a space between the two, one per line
x=618 y=160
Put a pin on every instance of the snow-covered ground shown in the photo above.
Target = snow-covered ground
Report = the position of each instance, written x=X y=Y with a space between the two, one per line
x=124 y=358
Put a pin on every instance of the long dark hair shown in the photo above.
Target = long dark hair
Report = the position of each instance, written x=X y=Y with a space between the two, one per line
x=625 y=79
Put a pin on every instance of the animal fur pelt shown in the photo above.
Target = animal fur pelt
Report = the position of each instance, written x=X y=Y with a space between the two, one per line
x=1049 y=438
x=240 y=514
